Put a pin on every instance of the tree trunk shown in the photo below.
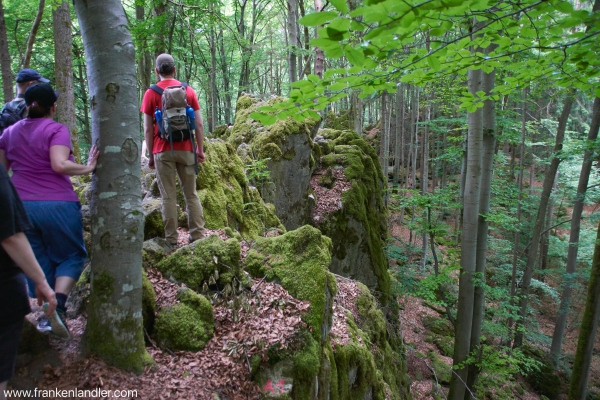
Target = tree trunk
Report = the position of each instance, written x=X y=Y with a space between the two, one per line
x=292 y=24
x=587 y=331
x=541 y=217
x=565 y=301
x=213 y=81
x=8 y=78
x=464 y=317
x=225 y=75
x=114 y=327
x=319 y=55
x=398 y=150
x=489 y=144
x=145 y=64
x=32 y=35
x=63 y=70
x=513 y=280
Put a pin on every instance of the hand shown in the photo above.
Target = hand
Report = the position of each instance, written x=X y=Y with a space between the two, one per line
x=93 y=158
x=44 y=292
x=151 y=162
x=200 y=155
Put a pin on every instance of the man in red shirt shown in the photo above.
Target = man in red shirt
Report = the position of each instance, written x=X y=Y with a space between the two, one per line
x=181 y=161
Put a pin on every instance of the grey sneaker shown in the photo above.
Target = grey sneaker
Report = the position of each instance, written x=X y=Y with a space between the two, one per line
x=43 y=324
x=58 y=327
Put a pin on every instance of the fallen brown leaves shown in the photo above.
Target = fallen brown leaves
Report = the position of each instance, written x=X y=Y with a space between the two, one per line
x=328 y=200
x=271 y=317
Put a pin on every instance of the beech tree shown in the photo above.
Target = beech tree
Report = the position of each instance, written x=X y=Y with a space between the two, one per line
x=114 y=327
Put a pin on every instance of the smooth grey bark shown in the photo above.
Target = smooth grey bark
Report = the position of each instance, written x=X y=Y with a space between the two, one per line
x=399 y=144
x=587 y=331
x=292 y=27
x=63 y=70
x=471 y=201
x=319 y=54
x=8 y=88
x=565 y=300
x=114 y=327
x=487 y=168
x=541 y=217
x=32 y=35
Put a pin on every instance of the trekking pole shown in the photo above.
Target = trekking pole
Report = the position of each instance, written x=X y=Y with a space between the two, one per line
x=191 y=120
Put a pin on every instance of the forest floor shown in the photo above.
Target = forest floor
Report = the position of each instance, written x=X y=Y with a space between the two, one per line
x=415 y=333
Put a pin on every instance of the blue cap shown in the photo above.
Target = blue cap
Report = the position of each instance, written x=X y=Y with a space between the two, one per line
x=28 y=75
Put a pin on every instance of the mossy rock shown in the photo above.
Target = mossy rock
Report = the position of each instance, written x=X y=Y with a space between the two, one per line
x=439 y=326
x=154 y=251
x=359 y=227
x=340 y=121
x=148 y=303
x=299 y=260
x=188 y=325
x=196 y=263
x=220 y=131
x=445 y=344
x=226 y=195
x=153 y=222
x=442 y=370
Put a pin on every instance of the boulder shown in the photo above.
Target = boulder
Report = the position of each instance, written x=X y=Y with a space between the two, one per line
x=153 y=223
x=188 y=325
x=286 y=146
x=358 y=226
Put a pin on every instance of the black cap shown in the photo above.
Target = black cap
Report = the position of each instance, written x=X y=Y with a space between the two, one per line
x=28 y=75
x=44 y=95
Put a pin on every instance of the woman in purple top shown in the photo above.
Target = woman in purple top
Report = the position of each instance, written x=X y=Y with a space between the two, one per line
x=38 y=150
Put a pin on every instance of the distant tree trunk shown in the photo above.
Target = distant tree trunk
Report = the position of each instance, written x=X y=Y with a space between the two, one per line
x=515 y=258
x=565 y=301
x=471 y=201
x=292 y=25
x=319 y=55
x=160 y=40
x=415 y=133
x=305 y=70
x=541 y=217
x=545 y=241
x=114 y=325
x=489 y=144
x=444 y=162
x=398 y=150
x=384 y=137
x=213 y=81
x=63 y=69
x=7 y=75
x=225 y=76
x=587 y=331
x=32 y=35
x=145 y=65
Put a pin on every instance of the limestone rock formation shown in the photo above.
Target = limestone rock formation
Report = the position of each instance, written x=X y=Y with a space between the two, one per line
x=357 y=227
x=287 y=148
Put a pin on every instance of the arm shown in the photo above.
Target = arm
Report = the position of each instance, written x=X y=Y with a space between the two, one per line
x=149 y=136
x=4 y=160
x=18 y=248
x=59 y=159
x=199 y=136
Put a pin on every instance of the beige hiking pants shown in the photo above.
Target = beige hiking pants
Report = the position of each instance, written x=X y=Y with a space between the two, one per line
x=182 y=164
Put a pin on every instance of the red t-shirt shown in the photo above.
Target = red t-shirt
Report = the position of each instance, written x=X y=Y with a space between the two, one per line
x=152 y=100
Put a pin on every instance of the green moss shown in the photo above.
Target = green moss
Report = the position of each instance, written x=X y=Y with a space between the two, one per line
x=439 y=326
x=103 y=284
x=109 y=344
x=153 y=223
x=225 y=193
x=299 y=260
x=148 y=303
x=188 y=325
x=270 y=150
x=332 y=284
x=442 y=370
x=193 y=265
x=220 y=131
x=372 y=320
x=332 y=376
x=362 y=202
x=306 y=367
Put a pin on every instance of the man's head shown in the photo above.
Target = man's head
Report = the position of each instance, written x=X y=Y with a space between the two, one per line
x=165 y=65
x=28 y=77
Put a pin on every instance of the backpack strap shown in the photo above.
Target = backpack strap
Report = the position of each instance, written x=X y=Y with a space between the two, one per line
x=160 y=91
x=157 y=89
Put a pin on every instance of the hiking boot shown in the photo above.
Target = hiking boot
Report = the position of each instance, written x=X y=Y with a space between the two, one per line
x=192 y=240
x=58 y=327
